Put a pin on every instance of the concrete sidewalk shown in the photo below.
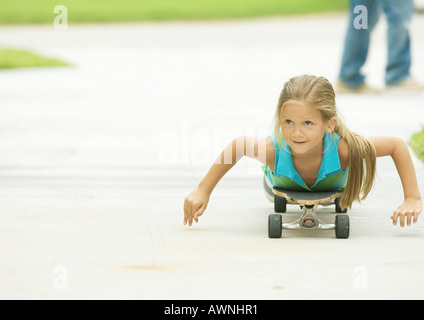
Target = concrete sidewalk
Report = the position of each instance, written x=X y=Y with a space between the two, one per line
x=96 y=160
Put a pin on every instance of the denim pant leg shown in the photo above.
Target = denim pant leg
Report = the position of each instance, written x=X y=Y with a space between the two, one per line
x=357 y=40
x=399 y=14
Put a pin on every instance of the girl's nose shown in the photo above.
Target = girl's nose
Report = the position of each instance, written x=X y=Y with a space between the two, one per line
x=298 y=132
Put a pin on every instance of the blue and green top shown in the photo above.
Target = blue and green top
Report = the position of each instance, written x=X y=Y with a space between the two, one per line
x=330 y=174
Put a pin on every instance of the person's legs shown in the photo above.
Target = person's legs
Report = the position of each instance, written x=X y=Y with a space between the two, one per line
x=399 y=14
x=357 y=40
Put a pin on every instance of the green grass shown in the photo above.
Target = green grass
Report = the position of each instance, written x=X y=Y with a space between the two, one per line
x=417 y=144
x=41 y=11
x=12 y=58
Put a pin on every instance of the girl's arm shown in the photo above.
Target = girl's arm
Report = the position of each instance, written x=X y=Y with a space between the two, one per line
x=398 y=150
x=261 y=149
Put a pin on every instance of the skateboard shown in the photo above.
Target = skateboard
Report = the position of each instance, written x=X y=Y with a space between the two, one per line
x=308 y=201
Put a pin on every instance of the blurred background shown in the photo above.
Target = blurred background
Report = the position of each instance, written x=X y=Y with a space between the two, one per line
x=109 y=70
x=40 y=11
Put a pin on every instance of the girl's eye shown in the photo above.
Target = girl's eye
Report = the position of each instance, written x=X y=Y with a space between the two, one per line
x=308 y=123
x=288 y=122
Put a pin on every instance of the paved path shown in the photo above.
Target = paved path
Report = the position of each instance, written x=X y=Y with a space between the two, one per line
x=96 y=160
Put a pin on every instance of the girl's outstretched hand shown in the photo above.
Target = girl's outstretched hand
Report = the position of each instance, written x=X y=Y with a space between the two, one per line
x=194 y=205
x=409 y=210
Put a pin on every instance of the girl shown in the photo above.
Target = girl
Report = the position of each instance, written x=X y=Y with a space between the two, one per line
x=311 y=149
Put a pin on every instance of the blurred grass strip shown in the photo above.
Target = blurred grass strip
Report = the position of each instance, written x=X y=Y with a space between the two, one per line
x=12 y=58
x=82 y=11
x=417 y=144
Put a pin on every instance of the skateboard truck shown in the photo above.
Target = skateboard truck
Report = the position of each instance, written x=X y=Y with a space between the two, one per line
x=308 y=201
x=308 y=220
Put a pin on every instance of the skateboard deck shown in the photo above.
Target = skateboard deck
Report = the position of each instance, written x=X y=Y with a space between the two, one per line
x=308 y=198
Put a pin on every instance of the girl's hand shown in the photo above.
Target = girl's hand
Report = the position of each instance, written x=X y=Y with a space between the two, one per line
x=409 y=210
x=194 y=205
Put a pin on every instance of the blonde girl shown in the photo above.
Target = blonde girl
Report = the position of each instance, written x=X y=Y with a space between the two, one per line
x=312 y=150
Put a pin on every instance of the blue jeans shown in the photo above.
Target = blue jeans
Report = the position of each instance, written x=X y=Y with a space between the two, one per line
x=399 y=14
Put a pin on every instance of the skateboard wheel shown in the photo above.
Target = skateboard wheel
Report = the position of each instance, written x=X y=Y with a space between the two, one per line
x=274 y=226
x=280 y=204
x=342 y=226
x=338 y=207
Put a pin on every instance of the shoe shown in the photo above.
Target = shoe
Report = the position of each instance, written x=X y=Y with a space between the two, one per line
x=342 y=87
x=408 y=84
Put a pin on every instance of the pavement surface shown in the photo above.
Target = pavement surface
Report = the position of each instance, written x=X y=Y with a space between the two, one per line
x=96 y=160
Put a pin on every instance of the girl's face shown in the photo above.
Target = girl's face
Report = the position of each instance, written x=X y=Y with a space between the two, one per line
x=303 y=129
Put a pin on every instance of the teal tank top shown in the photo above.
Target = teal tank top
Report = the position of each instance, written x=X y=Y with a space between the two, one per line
x=330 y=175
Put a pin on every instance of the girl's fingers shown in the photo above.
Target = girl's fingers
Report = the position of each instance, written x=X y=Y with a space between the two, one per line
x=188 y=216
x=192 y=211
x=199 y=212
x=395 y=217
x=410 y=216
x=185 y=211
x=416 y=214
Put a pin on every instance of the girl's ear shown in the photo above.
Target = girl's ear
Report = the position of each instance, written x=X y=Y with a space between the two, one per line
x=331 y=125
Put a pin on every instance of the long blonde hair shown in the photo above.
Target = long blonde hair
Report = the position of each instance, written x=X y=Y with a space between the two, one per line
x=319 y=93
